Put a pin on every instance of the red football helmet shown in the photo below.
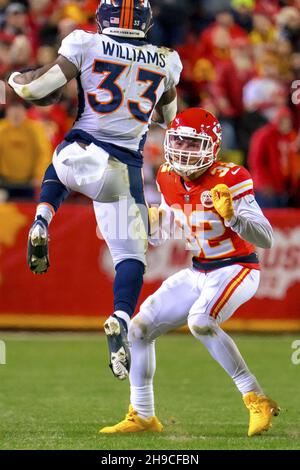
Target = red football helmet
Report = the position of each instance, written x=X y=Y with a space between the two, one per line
x=193 y=141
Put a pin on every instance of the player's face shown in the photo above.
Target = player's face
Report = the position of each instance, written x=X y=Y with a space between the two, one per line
x=190 y=149
x=185 y=143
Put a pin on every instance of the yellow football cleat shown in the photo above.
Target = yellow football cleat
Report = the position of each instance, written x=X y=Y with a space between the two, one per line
x=261 y=409
x=133 y=423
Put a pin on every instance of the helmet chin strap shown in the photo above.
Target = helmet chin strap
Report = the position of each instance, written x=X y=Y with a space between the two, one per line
x=196 y=174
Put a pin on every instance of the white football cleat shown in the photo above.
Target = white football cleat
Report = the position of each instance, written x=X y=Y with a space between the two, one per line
x=37 y=250
x=118 y=347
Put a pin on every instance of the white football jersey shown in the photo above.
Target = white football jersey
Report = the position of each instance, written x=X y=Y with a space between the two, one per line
x=120 y=83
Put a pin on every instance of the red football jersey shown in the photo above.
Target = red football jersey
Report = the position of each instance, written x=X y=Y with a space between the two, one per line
x=204 y=229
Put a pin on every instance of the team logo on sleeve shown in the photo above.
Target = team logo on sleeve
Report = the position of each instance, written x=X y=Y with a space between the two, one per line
x=206 y=199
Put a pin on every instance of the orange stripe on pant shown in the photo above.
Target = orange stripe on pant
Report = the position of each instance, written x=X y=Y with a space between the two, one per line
x=229 y=290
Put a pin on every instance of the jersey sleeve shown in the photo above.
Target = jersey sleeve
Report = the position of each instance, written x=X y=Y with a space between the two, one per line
x=175 y=69
x=72 y=47
x=163 y=183
x=250 y=223
x=160 y=178
x=239 y=182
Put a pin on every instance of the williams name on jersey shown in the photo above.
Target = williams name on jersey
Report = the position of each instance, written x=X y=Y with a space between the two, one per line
x=120 y=83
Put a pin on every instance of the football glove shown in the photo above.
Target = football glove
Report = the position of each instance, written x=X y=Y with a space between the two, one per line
x=154 y=219
x=222 y=201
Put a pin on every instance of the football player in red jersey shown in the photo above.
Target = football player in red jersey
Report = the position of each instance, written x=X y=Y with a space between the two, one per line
x=214 y=206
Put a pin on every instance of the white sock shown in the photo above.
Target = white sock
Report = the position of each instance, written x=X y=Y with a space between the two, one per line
x=46 y=211
x=142 y=400
x=143 y=364
x=224 y=350
x=124 y=316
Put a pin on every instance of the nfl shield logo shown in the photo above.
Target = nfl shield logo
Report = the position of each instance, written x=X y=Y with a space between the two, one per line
x=206 y=199
x=186 y=198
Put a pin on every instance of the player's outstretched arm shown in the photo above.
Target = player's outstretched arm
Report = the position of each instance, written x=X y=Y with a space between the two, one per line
x=36 y=85
x=243 y=216
x=166 y=109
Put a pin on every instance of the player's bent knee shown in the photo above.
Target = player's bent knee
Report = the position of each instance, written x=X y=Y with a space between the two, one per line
x=202 y=326
x=142 y=327
x=138 y=330
x=120 y=258
x=123 y=250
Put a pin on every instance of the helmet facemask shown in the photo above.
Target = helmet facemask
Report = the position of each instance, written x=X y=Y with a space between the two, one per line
x=188 y=151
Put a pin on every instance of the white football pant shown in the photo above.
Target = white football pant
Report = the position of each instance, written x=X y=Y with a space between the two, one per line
x=203 y=301
x=117 y=192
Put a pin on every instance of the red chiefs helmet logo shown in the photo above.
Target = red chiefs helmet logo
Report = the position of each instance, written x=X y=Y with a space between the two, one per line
x=217 y=130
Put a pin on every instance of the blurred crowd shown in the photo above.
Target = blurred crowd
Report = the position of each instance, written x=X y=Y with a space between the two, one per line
x=241 y=61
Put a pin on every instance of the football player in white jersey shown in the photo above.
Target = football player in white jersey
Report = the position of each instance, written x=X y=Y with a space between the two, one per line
x=213 y=204
x=122 y=80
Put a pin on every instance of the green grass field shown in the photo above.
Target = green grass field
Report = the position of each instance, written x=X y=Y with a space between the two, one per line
x=56 y=391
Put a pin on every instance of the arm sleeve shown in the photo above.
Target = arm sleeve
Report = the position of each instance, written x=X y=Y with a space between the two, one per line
x=71 y=48
x=175 y=69
x=250 y=223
